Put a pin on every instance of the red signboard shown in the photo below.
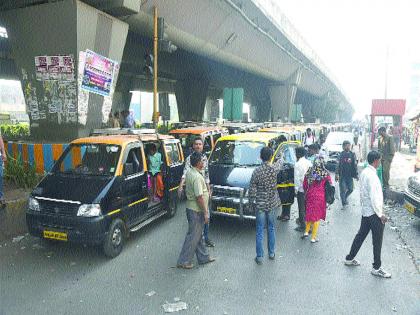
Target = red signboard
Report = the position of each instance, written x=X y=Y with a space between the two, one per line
x=388 y=107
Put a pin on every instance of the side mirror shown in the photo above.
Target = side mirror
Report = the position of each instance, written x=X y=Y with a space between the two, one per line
x=128 y=169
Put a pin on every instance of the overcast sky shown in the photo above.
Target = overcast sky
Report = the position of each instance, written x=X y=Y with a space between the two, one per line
x=352 y=36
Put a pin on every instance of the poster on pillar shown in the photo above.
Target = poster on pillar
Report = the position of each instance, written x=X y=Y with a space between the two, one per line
x=98 y=73
x=233 y=104
x=60 y=67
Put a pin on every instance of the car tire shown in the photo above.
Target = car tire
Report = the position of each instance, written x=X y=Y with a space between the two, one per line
x=114 y=241
x=172 y=204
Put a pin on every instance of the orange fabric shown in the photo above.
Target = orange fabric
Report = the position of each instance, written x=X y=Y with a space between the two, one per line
x=159 y=185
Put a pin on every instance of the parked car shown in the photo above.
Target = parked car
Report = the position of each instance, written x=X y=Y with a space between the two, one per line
x=98 y=192
x=412 y=194
x=232 y=163
x=334 y=146
x=209 y=135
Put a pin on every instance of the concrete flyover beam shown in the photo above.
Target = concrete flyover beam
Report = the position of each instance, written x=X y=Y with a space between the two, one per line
x=283 y=96
x=58 y=108
x=191 y=97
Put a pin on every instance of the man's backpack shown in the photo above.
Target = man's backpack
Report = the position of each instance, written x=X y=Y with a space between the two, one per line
x=329 y=193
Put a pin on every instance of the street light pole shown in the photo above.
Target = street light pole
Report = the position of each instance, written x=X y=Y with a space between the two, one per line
x=155 y=67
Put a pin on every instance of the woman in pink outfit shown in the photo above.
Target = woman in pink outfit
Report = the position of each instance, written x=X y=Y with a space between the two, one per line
x=316 y=206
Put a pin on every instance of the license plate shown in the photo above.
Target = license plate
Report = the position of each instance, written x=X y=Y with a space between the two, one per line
x=409 y=207
x=53 y=235
x=226 y=210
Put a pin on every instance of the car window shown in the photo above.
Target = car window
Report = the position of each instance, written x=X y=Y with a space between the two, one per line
x=93 y=159
x=134 y=157
x=173 y=154
x=289 y=153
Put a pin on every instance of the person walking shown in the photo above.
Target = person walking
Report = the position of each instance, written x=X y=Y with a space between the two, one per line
x=373 y=218
x=197 y=214
x=386 y=148
x=3 y=158
x=198 y=147
x=346 y=171
x=316 y=205
x=301 y=167
x=263 y=196
x=309 y=138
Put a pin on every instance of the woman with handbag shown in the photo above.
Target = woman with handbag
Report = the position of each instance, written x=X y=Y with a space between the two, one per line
x=316 y=205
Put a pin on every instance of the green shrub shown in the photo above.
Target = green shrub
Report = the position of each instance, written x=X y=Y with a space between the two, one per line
x=15 y=131
x=20 y=172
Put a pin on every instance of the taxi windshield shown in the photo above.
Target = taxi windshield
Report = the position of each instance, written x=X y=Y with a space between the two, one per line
x=244 y=153
x=89 y=159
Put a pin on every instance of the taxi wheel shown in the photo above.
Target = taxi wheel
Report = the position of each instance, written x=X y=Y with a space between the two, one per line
x=114 y=241
x=172 y=204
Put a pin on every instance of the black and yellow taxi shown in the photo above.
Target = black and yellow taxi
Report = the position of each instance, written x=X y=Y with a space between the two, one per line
x=98 y=191
x=209 y=135
x=232 y=163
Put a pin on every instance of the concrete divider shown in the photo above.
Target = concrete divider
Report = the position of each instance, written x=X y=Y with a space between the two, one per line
x=42 y=155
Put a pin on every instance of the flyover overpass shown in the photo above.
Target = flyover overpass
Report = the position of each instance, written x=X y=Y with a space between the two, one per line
x=221 y=43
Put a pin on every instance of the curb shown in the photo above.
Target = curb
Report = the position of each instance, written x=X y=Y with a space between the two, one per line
x=13 y=219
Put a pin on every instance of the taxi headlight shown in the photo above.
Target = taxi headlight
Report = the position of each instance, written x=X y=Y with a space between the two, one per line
x=33 y=204
x=89 y=210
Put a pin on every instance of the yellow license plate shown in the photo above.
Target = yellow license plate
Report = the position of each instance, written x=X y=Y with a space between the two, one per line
x=55 y=235
x=409 y=207
x=226 y=210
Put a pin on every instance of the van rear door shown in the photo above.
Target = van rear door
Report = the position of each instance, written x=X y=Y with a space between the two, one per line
x=174 y=163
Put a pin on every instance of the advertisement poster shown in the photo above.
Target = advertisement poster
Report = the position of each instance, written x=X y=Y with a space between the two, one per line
x=54 y=68
x=98 y=74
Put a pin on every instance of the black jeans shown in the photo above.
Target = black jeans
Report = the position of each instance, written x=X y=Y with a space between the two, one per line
x=301 y=206
x=285 y=210
x=374 y=224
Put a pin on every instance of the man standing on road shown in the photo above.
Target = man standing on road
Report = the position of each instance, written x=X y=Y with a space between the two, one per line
x=197 y=214
x=301 y=167
x=3 y=158
x=387 y=149
x=263 y=196
x=373 y=219
x=346 y=171
x=198 y=147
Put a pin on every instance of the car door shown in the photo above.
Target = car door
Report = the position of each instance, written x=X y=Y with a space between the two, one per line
x=135 y=194
x=174 y=164
x=285 y=178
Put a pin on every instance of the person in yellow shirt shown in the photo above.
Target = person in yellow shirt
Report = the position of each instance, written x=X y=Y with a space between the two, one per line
x=197 y=215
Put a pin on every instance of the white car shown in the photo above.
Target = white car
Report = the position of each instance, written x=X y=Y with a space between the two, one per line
x=334 y=146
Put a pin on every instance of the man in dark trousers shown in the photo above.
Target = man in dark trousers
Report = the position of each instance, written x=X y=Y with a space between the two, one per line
x=373 y=218
x=387 y=149
x=197 y=214
x=346 y=171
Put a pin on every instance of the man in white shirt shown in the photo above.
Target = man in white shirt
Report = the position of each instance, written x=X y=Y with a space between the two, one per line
x=373 y=219
x=301 y=167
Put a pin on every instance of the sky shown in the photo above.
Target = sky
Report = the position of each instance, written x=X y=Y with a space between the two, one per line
x=352 y=38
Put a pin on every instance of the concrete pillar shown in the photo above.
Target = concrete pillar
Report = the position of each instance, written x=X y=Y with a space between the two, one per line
x=283 y=96
x=59 y=109
x=191 y=98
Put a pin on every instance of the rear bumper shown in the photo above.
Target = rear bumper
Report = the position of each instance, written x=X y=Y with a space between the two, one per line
x=78 y=229
x=414 y=201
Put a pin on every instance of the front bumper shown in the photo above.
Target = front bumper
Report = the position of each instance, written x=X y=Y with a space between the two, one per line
x=412 y=203
x=231 y=202
x=78 y=229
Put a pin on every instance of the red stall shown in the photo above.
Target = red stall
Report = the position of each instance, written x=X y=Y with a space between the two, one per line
x=387 y=107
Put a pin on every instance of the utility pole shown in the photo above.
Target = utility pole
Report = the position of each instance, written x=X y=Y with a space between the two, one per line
x=155 y=67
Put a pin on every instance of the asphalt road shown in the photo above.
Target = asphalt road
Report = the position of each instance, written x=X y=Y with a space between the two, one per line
x=40 y=278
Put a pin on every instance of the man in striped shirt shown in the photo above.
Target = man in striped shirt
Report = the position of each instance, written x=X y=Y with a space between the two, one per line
x=263 y=196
